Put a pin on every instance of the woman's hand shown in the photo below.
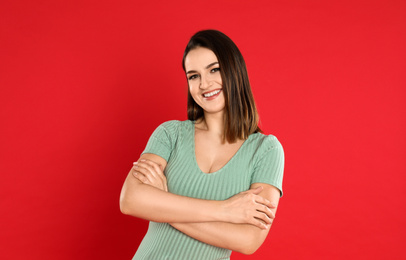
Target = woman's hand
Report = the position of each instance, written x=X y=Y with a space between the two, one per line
x=249 y=208
x=151 y=173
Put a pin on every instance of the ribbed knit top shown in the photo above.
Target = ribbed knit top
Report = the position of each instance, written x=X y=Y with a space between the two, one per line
x=260 y=159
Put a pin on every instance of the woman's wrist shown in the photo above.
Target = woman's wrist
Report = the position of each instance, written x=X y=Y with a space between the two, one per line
x=221 y=213
x=214 y=211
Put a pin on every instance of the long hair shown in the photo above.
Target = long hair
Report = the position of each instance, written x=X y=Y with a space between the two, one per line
x=241 y=116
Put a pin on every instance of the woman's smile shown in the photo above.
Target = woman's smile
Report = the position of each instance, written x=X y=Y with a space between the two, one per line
x=211 y=94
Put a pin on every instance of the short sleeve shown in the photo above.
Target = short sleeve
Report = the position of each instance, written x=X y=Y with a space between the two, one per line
x=162 y=140
x=270 y=164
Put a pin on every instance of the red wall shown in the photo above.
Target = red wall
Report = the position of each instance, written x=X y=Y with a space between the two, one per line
x=84 y=83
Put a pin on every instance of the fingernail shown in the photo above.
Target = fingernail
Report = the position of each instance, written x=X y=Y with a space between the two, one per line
x=273 y=204
x=143 y=160
x=134 y=163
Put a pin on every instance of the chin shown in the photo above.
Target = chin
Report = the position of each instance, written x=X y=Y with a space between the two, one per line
x=214 y=111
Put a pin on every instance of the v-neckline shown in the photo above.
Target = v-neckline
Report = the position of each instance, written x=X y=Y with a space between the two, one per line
x=195 y=158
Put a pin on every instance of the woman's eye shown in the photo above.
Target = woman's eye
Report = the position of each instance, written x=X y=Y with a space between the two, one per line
x=192 y=77
x=215 y=70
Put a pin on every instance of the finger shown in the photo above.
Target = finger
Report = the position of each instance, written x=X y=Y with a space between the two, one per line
x=157 y=167
x=143 y=165
x=139 y=173
x=263 y=201
x=141 y=177
x=135 y=166
x=263 y=217
x=258 y=223
x=145 y=172
x=149 y=161
x=267 y=211
x=270 y=214
x=135 y=170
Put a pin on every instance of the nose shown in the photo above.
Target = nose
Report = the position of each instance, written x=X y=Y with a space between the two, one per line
x=205 y=82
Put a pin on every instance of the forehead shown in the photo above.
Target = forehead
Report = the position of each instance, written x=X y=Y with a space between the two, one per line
x=199 y=58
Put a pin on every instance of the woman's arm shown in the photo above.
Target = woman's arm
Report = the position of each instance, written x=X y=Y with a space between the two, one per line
x=242 y=238
x=148 y=202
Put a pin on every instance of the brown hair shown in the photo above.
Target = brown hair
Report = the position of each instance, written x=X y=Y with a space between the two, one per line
x=241 y=116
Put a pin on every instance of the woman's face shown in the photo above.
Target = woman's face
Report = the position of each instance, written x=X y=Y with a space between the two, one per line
x=204 y=79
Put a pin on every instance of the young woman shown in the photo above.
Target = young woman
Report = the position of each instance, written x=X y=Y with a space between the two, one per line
x=209 y=185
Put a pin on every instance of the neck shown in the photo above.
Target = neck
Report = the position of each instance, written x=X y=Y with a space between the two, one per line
x=213 y=123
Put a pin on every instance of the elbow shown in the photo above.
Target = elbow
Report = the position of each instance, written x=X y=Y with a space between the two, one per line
x=251 y=244
x=126 y=207
x=134 y=203
x=249 y=249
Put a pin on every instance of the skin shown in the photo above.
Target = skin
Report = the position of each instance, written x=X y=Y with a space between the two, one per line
x=203 y=74
x=240 y=223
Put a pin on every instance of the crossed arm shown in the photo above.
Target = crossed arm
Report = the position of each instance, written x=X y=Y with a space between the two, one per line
x=240 y=223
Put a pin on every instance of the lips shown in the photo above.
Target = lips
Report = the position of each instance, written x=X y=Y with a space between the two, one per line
x=212 y=93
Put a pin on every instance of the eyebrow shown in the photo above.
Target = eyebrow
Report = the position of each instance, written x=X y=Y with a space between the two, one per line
x=208 y=66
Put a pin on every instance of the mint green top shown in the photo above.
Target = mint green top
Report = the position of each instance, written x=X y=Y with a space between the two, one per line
x=260 y=159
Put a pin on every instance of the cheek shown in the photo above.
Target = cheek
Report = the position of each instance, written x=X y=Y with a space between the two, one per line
x=193 y=87
x=218 y=79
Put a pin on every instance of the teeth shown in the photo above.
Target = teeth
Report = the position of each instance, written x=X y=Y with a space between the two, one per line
x=212 y=93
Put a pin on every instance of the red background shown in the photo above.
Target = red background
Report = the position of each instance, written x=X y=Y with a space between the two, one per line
x=84 y=83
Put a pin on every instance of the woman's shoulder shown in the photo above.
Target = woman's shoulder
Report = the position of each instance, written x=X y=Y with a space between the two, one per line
x=170 y=131
x=264 y=142
x=175 y=125
x=261 y=138
x=173 y=128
